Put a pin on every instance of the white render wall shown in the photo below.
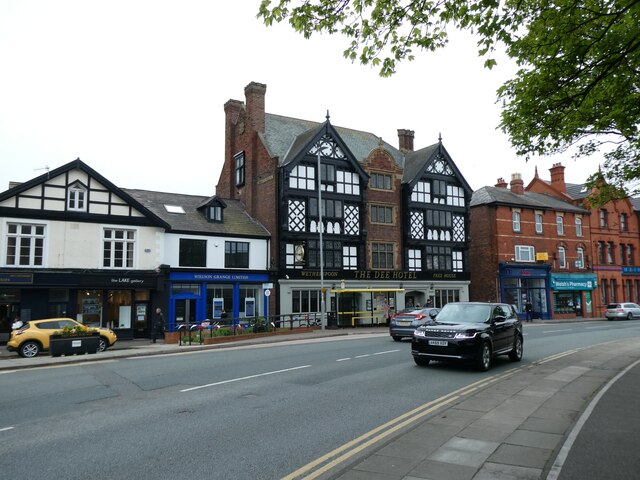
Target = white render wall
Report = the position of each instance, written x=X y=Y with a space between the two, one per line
x=79 y=245
x=258 y=251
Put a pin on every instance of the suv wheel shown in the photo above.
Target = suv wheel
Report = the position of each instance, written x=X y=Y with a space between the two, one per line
x=515 y=355
x=102 y=346
x=29 y=349
x=484 y=360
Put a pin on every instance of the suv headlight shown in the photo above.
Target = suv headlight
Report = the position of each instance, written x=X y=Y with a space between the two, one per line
x=419 y=333
x=465 y=335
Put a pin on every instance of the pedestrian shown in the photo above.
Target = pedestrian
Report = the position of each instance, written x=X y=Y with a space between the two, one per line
x=158 y=325
x=528 y=308
x=385 y=310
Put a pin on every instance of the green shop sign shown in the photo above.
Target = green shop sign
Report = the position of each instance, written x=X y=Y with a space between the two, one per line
x=568 y=281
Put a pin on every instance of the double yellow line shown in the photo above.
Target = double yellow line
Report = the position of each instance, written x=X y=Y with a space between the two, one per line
x=335 y=457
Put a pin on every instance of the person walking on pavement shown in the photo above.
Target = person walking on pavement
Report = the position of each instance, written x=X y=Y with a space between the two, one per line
x=158 y=325
x=529 y=309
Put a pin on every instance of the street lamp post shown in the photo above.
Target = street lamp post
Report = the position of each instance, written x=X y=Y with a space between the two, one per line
x=320 y=229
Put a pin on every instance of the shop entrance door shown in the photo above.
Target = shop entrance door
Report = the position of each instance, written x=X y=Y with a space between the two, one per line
x=141 y=321
x=185 y=310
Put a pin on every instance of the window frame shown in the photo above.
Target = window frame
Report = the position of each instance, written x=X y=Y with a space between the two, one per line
x=234 y=256
x=578 y=224
x=19 y=240
x=515 y=221
x=77 y=198
x=562 y=257
x=125 y=245
x=539 y=223
x=192 y=252
x=239 y=161
x=521 y=249
x=382 y=256
x=560 y=224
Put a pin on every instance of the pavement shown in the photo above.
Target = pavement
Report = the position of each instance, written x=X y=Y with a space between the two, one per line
x=571 y=416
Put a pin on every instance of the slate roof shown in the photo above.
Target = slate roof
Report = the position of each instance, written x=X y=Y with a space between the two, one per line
x=504 y=196
x=635 y=201
x=236 y=222
x=577 y=191
x=281 y=135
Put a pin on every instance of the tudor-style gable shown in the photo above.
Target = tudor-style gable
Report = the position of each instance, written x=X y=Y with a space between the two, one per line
x=339 y=215
x=436 y=203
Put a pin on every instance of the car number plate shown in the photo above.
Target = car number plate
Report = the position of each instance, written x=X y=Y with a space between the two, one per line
x=438 y=343
x=404 y=324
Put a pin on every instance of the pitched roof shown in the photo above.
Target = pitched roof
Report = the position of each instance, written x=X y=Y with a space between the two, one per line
x=504 y=196
x=236 y=221
x=284 y=133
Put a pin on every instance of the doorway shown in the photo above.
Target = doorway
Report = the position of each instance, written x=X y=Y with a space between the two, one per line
x=185 y=310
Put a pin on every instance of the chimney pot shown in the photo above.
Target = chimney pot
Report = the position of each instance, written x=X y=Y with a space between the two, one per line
x=517 y=185
x=405 y=139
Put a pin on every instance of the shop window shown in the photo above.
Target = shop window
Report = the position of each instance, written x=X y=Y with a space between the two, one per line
x=119 y=308
x=564 y=302
x=193 y=252
x=236 y=254
x=222 y=296
x=25 y=245
x=89 y=307
x=304 y=301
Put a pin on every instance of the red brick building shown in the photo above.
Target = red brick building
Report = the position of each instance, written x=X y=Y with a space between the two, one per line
x=614 y=240
x=531 y=247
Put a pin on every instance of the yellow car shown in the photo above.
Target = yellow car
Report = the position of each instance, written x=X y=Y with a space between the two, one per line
x=33 y=337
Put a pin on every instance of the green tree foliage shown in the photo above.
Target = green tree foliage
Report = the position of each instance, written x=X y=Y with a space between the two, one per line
x=578 y=78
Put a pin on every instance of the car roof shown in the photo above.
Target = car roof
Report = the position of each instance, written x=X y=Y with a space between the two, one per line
x=50 y=319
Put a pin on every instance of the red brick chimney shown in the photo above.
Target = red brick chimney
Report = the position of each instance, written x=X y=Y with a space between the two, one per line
x=557 y=177
x=501 y=183
x=405 y=140
x=517 y=185
x=254 y=94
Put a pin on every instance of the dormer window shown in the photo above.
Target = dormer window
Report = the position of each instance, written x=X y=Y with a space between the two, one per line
x=77 y=198
x=214 y=213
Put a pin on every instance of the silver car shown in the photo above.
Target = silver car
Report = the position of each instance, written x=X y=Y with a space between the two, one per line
x=622 y=311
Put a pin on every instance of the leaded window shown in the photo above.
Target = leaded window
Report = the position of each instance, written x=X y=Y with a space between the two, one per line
x=381 y=214
x=439 y=258
x=382 y=256
x=457 y=261
x=303 y=177
x=380 y=181
x=439 y=191
x=296 y=216
x=417 y=225
x=421 y=192
x=414 y=258
x=455 y=196
x=351 y=220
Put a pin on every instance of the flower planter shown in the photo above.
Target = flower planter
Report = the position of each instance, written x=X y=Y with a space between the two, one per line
x=248 y=336
x=73 y=344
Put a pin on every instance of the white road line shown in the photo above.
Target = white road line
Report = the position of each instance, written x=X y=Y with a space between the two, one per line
x=556 y=468
x=5 y=429
x=384 y=353
x=363 y=356
x=603 y=326
x=343 y=359
x=556 y=331
x=243 y=378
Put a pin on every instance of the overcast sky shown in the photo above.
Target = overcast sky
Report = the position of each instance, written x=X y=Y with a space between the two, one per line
x=136 y=90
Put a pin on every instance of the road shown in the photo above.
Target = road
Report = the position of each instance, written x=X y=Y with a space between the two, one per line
x=246 y=412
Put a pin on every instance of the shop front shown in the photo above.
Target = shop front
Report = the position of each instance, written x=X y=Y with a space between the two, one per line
x=228 y=296
x=522 y=284
x=358 y=298
x=120 y=301
x=572 y=294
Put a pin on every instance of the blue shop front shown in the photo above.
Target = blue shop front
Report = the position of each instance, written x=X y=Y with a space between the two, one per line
x=520 y=284
x=228 y=296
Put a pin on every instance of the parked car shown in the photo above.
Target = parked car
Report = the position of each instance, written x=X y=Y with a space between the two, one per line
x=403 y=323
x=622 y=311
x=33 y=336
x=469 y=331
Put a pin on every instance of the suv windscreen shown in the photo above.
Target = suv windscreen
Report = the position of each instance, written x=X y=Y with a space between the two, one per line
x=459 y=313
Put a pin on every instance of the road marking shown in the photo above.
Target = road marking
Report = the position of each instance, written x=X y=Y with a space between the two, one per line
x=349 y=449
x=556 y=468
x=601 y=326
x=343 y=359
x=5 y=429
x=558 y=355
x=385 y=352
x=244 y=378
x=363 y=356
x=556 y=331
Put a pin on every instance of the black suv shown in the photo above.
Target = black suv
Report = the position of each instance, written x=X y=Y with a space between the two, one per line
x=472 y=331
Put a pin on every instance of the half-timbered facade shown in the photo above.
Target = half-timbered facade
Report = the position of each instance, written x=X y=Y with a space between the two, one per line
x=389 y=223
x=75 y=245
x=436 y=206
